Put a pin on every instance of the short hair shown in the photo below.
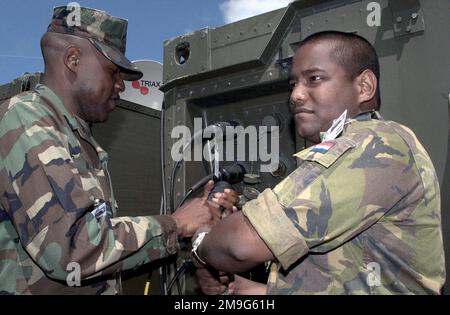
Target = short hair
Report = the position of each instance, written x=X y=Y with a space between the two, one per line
x=352 y=52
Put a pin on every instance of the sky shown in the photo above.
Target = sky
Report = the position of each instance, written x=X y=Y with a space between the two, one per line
x=22 y=23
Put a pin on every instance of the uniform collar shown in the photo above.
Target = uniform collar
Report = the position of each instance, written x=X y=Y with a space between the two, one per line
x=45 y=92
x=361 y=120
x=366 y=116
x=355 y=123
x=75 y=122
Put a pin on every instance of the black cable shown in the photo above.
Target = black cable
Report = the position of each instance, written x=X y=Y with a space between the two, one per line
x=163 y=209
x=165 y=270
x=172 y=185
x=175 y=167
x=172 y=210
x=180 y=270
x=199 y=184
x=187 y=264
x=163 y=173
x=180 y=292
x=188 y=194
x=195 y=187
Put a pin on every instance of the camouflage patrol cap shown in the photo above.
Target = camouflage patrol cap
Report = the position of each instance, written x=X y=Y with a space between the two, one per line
x=107 y=33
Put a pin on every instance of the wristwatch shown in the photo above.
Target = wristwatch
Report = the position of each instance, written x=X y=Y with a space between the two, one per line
x=195 y=246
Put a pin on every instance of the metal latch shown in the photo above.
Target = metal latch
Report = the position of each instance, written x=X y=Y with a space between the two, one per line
x=407 y=17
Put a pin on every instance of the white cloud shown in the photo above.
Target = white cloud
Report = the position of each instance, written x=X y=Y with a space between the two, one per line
x=235 y=10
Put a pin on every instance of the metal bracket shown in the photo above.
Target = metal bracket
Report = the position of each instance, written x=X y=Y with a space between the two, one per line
x=407 y=17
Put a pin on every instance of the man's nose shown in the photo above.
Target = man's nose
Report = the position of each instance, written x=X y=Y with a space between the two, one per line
x=298 y=94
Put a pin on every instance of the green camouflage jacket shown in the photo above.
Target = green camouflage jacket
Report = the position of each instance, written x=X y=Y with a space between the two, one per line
x=54 y=226
x=360 y=215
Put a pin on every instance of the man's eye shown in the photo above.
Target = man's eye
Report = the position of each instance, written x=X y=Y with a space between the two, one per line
x=292 y=84
x=315 y=78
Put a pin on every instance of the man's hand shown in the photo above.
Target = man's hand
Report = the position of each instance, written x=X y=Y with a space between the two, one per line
x=225 y=201
x=213 y=282
x=200 y=212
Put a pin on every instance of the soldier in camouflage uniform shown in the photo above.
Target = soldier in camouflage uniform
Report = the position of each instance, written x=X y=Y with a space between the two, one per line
x=57 y=208
x=361 y=213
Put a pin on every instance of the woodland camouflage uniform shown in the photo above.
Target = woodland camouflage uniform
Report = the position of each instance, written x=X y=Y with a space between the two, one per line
x=57 y=207
x=360 y=215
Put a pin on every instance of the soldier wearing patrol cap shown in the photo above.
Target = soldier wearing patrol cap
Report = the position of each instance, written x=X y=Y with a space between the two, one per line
x=361 y=213
x=59 y=233
x=107 y=33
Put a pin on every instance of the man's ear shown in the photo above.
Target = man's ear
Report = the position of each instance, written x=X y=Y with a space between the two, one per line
x=72 y=58
x=367 y=85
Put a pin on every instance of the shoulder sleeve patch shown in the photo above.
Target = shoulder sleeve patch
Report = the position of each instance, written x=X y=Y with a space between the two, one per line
x=327 y=153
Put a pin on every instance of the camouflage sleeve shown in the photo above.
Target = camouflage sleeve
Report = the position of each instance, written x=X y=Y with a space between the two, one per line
x=332 y=197
x=51 y=211
x=269 y=220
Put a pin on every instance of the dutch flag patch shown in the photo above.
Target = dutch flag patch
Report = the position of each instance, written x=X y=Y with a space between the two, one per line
x=323 y=147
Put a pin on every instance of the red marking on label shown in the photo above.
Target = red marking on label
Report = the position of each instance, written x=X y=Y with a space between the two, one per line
x=136 y=84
